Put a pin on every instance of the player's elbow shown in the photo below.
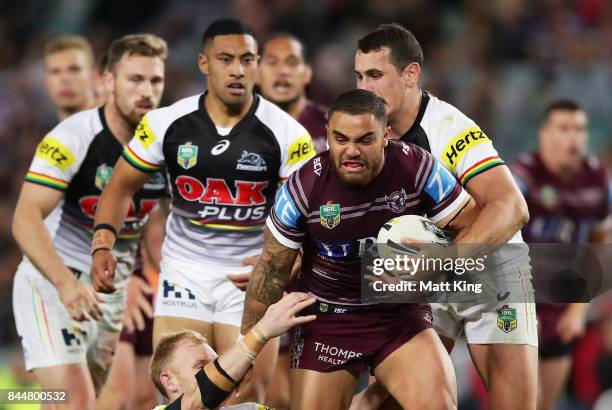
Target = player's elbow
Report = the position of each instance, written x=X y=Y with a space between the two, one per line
x=519 y=210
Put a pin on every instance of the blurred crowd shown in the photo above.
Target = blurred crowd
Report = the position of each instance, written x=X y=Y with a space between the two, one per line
x=499 y=61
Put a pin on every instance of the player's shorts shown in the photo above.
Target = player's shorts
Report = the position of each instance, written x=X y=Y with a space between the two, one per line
x=361 y=337
x=551 y=345
x=494 y=322
x=50 y=337
x=200 y=292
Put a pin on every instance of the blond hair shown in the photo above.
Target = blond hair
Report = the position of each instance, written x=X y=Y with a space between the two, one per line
x=162 y=356
x=146 y=45
x=68 y=42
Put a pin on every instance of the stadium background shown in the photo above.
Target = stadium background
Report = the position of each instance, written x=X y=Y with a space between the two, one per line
x=499 y=61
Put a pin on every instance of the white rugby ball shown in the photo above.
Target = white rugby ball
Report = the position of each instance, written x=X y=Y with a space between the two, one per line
x=417 y=227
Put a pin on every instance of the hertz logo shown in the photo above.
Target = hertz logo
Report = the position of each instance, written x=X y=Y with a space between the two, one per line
x=55 y=153
x=460 y=145
x=144 y=134
x=301 y=149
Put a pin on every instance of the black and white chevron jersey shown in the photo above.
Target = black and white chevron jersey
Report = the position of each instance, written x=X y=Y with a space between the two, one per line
x=465 y=150
x=223 y=183
x=77 y=158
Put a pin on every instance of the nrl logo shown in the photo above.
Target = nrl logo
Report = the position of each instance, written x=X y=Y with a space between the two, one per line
x=187 y=155
x=330 y=215
x=251 y=161
x=397 y=201
x=103 y=174
x=506 y=318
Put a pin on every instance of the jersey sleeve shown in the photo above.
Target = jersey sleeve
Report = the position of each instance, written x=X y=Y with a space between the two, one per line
x=296 y=149
x=287 y=218
x=464 y=148
x=144 y=152
x=58 y=157
x=441 y=192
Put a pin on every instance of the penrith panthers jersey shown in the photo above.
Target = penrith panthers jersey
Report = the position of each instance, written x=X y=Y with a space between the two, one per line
x=466 y=151
x=77 y=158
x=223 y=184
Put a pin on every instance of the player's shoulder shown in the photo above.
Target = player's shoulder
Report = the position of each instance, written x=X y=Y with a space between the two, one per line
x=593 y=166
x=160 y=119
x=281 y=124
x=78 y=128
x=526 y=162
x=442 y=116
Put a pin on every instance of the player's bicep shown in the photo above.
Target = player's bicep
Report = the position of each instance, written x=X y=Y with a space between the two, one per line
x=493 y=184
x=127 y=179
x=37 y=199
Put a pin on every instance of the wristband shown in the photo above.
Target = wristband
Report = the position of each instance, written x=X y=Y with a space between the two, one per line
x=250 y=353
x=108 y=227
x=254 y=341
x=102 y=238
x=100 y=249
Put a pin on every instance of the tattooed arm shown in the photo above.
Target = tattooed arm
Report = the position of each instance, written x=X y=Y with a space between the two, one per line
x=270 y=277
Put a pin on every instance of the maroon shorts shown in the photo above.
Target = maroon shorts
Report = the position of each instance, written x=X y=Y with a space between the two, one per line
x=550 y=344
x=356 y=339
x=141 y=340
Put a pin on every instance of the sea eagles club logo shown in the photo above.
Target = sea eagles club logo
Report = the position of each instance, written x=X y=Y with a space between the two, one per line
x=251 y=161
x=397 y=201
x=330 y=215
x=187 y=155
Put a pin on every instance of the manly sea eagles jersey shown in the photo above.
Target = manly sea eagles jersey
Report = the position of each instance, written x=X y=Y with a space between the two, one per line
x=336 y=222
x=562 y=210
x=223 y=184
x=465 y=150
x=77 y=158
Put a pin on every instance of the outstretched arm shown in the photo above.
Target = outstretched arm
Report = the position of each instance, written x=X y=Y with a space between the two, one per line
x=270 y=277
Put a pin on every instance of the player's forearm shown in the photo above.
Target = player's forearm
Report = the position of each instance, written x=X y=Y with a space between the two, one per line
x=270 y=277
x=496 y=223
x=114 y=205
x=34 y=240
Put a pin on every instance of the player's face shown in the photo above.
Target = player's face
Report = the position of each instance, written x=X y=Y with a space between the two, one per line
x=187 y=360
x=375 y=73
x=137 y=85
x=230 y=64
x=69 y=79
x=356 y=146
x=283 y=73
x=564 y=137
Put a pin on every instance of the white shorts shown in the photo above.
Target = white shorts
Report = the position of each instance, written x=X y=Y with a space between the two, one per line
x=49 y=336
x=200 y=292
x=494 y=322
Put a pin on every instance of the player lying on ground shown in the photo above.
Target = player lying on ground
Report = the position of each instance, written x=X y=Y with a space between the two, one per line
x=181 y=355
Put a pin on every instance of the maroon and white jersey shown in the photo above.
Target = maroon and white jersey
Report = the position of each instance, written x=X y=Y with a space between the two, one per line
x=562 y=210
x=313 y=118
x=336 y=222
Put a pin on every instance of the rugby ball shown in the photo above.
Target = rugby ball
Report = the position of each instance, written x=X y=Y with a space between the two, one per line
x=417 y=227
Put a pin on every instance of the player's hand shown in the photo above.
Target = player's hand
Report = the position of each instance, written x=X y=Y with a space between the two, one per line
x=103 y=271
x=571 y=325
x=137 y=304
x=281 y=316
x=241 y=280
x=81 y=302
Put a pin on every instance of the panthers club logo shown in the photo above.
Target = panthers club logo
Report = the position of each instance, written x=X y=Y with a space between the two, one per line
x=397 y=201
x=251 y=161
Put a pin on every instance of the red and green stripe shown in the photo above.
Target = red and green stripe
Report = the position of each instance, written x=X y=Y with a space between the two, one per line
x=45 y=180
x=480 y=167
x=137 y=162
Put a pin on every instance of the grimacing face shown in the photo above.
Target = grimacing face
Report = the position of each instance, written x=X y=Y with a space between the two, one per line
x=230 y=65
x=356 y=146
x=137 y=85
x=283 y=73
x=564 y=137
x=376 y=73
x=69 y=78
x=188 y=358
